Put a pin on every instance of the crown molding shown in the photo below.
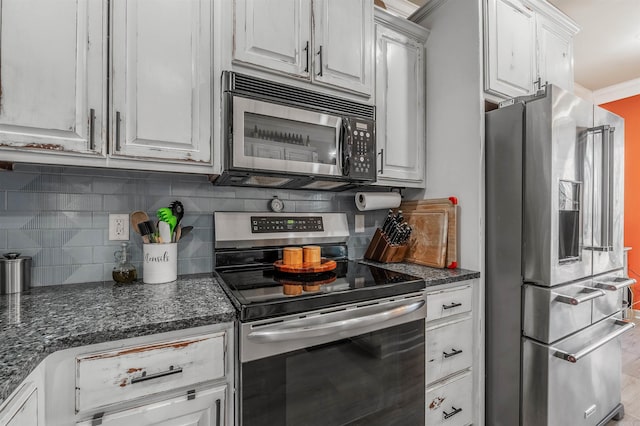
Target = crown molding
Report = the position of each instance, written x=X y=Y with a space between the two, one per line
x=402 y=8
x=429 y=7
x=617 y=92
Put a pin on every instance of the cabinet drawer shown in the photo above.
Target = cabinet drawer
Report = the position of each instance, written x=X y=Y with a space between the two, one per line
x=105 y=378
x=448 y=302
x=448 y=349
x=449 y=403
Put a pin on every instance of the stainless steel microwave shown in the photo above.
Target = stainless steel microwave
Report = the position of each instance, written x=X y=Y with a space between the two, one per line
x=282 y=136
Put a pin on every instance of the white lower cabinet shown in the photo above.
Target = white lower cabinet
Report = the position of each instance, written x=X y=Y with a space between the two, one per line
x=22 y=409
x=449 y=356
x=182 y=377
x=200 y=407
x=449 y=349
x=450 y=402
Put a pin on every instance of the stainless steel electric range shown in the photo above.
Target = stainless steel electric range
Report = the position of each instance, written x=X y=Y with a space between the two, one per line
x=340 y=347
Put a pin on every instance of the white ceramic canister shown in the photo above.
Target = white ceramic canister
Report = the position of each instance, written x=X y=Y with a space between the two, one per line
x=159 y=263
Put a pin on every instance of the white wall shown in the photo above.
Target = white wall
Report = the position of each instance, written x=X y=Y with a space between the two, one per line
x=455 y=141
x=455 y=121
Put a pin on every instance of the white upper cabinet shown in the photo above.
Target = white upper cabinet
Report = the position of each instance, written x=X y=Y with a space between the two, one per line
x=343 y=43
x=274 y=34
x=328 y=42
x=52 y=85
x=555 y=54
x=400 y=101
x=527 y=44
x=510 y=53
x=162 y=79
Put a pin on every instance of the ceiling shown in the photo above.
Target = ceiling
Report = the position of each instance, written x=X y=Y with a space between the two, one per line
x=607 y=48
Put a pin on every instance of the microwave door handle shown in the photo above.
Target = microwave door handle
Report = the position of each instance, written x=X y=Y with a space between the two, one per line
x=345 y=143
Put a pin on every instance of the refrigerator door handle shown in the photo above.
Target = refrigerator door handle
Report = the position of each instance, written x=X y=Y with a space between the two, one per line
x=575 y=357
x=615 y=284
x=605 y=204
x=576 y=300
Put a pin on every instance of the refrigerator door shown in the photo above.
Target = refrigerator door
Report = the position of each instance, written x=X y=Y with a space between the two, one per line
x=608 y=191
x=577 y=380
x=557 y=232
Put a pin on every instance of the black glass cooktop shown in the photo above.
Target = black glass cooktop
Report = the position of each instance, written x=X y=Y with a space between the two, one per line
x=261 y=292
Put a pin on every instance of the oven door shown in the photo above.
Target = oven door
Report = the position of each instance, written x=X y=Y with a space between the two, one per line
x=363 y=365
x=285 y=139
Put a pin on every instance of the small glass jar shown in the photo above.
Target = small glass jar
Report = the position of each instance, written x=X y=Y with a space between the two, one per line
x=124 y=272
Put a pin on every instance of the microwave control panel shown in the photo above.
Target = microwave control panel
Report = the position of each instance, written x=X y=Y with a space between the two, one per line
x=360 y=159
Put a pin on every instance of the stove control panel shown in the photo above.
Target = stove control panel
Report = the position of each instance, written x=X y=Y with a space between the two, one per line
x=269 y=224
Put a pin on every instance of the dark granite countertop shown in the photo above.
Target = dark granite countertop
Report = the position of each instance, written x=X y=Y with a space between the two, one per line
x=431 y=276
x=48 y=319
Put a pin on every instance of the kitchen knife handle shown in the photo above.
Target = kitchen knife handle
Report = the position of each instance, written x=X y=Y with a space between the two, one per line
x=451 y=414
x=117 y=131
x=92 y=121
x=320 y=54
x=453 y=352
x=381 y=154
x=306 y=53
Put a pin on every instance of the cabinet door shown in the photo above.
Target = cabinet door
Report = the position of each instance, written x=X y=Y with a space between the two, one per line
x=202 y=408
x=343 y=44
x=400 y=97
x=555 y=54
x=162 y=79
x=510 y=50
x=52 y=85
x=22 y=408
x=274 y=34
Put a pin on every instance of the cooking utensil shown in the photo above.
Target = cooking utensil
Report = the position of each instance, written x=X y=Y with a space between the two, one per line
x=185 y=230
x=165 y=231
x=166 y=215
x=147 y=230
x=136 y=218
x=177 y=209
x=178 y=233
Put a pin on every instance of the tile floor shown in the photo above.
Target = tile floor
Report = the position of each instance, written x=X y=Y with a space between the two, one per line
x=630 y=377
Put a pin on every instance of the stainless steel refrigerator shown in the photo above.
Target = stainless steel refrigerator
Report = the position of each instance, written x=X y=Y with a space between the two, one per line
x=554 y=261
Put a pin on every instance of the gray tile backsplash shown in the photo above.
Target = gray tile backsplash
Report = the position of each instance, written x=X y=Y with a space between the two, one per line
x=59 y=216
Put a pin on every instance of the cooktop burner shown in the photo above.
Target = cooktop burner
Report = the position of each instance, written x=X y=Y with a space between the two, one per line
x=262 y=292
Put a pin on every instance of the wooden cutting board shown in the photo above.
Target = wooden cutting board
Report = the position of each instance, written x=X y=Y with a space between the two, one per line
x=450 y=205
x=428 y=242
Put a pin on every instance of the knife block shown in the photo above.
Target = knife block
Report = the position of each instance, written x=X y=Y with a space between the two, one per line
x=381 y=250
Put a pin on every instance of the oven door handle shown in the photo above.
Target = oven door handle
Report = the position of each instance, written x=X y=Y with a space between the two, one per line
x=283 y=333
x=575 y=357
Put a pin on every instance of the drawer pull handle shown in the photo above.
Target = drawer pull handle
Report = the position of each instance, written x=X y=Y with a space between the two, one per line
x=451 y=306
x=453 y=353
x=451 y=414
x=145 y=377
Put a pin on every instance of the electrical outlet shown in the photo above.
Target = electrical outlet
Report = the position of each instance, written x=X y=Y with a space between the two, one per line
x=118 y=227
x=359 y=223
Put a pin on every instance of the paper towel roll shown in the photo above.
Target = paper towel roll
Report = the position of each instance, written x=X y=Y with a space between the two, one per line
x=377 y=200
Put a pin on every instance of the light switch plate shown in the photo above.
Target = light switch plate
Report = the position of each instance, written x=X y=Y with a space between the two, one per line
x=118 y=227
x=359 y=223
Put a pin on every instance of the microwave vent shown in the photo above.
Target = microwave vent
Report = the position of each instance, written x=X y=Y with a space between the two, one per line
x=255 y=87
